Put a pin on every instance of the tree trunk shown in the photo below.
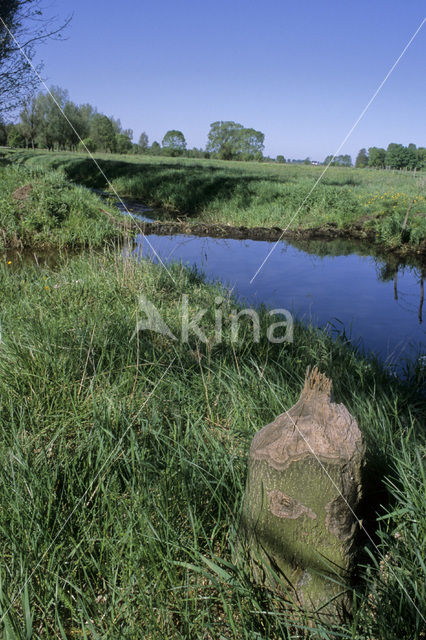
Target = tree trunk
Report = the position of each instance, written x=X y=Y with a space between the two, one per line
x=303 y=486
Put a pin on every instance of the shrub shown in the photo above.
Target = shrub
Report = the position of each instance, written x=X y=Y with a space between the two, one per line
x=88 y=144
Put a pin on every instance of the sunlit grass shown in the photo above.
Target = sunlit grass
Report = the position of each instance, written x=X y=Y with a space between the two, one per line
x=42 y=208
x=122 y=463
x=257 y=194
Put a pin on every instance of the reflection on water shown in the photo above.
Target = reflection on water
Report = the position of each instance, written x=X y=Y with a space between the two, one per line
x=378 y=305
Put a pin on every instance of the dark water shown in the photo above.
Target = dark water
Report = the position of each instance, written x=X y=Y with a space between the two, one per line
x=378 y=304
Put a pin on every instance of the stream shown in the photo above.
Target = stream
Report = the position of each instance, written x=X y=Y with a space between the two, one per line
x=377 y=304
x=374 y=301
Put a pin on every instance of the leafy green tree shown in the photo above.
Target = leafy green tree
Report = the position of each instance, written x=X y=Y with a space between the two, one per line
x=15 y=138
x=155 y=149
x=230 y=140
x=77 y=126
x=87 y=113
x=128 y=133
x=53 y=129
x=307 y=161
x=339 y=161
x=103 y=131
x=224 y=139
x=411 y=156
x=24 y=19
x=30 y=122
x=280 y=159
x=123 y=143
x=3 y=133
x=361 y=159
x=143 y=141
x=376 y=157
x=345 y=160
x=174 y=142
x=116 y=125
x=251 y=142
x=43 y=123
x=395 y=156
x=88 y=144
x=421 y=157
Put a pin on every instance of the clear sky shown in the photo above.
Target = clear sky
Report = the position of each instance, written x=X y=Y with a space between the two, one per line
x=301 y=71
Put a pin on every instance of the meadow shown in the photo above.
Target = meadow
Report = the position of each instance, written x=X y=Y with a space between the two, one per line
x=390 y=205
x=123 y=461
x=123 y=455
x=42 y=208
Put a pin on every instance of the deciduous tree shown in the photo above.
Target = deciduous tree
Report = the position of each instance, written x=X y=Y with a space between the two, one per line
x=155 y=148
x=143 y=141
x=339 y=161
x=30 y=121
x=24 y=20
x=231 y=140
x=103 y=132
x=376 y=157
x=174 y=142
x=123 y=143
x=361 y=159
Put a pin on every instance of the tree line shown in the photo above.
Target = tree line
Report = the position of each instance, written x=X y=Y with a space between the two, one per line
x=82 y=128
x=42 y=125
x=396 y=156
x=52 y=121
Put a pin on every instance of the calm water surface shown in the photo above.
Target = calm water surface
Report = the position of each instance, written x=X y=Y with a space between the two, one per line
x=378 y=305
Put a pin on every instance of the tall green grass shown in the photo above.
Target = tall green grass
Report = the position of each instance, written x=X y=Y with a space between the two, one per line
x=122 y=463
x=42 y=208
x=253 y=194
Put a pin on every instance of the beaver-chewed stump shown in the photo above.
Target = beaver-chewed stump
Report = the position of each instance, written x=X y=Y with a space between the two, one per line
x=303 y=488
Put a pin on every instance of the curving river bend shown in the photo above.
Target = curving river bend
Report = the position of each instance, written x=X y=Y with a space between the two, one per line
x=379 y=304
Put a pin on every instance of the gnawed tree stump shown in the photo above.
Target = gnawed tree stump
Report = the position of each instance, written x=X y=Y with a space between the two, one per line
x=303 y=487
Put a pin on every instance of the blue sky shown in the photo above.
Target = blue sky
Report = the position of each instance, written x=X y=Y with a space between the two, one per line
x=301 y=72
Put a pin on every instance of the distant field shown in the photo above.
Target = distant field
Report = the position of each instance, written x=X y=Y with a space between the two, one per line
x=256 y=194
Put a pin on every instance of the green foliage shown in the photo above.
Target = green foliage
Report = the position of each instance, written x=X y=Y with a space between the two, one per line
x=230 y=140
x=269 y=195
x=123 y=461
x=362 y=159
x=280 y=159
x=143 y=142
x=174 y=143
x=3 y=133
x=39 y=208
x=421 y=157
x=400 y=157
x=376 y=157
x=88 y=144
x=15 y=138
x=338 y=161
x=102 y=130
x=52 y=129
x=396 y=581
x=123 y=143
x=27 y=24
x=30 y=121
x=155 y=149
x=388 y=211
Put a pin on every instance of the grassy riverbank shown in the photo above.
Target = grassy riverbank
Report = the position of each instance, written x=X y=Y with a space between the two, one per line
x=253 y=194
x=123 y=462
x=43 y=208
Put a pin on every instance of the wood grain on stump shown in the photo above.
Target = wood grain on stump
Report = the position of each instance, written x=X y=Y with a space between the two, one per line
x=303 y=488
